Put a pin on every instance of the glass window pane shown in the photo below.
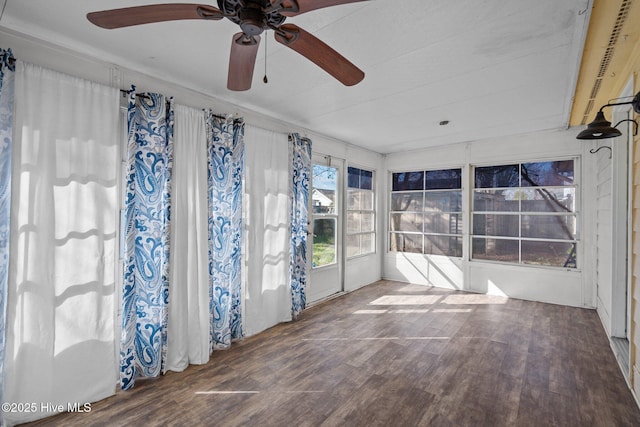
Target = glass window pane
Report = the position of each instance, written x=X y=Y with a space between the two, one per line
x=325 y=177
x=542 y=174
x=495 y=250
x=354 y=199
x=360 y=222
x=496 y=225
x=497 y=176
x=561 y=227
x=325 y=184
x=443 y=201
x=443 y=245
x=405 y=242
x=366 y=179
x=354 y=221
x=444 y=179
x=555 y=254
x=497 y=200
x=353 y=245
x=406 y=202
x=443 y=223
x=323 y=201
x=367 y=221
x=406 y=222
x=360 y=200
x=353 y=177
x=360 y=244
x=324 y=241
x=548 y=199
x=408 y=181
x=359 y=178
x=367 y=242
x=366 y=200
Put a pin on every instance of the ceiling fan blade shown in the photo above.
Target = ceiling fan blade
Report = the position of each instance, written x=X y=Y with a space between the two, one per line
x=242 y=61
x=318 y=52
x=128 y=16
x=289 y=6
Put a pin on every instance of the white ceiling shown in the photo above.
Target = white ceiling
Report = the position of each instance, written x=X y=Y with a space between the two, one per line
x=491 y=67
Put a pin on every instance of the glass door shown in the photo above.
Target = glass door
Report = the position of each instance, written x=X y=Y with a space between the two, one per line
x=325 y=228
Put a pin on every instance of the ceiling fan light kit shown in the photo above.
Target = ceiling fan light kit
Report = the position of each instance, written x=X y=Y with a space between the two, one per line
x=253 y=17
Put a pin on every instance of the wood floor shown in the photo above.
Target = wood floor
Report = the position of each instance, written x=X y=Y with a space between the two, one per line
x=393 y=354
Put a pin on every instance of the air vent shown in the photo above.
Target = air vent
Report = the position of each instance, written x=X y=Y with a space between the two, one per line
x=608 y=54
x=596 y=88
x=587 y=110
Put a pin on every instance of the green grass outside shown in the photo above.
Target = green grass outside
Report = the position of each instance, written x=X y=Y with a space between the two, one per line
x=323 y=254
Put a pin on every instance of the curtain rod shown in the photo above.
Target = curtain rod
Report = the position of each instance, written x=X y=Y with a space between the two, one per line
x=222 y=116
x=302 y=137
x=144 y=95
x=141 y=95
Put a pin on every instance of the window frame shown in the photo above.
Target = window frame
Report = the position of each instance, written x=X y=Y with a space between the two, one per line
x=373 y=212
x=575 y=214
x=333 y=214
x=425 y=191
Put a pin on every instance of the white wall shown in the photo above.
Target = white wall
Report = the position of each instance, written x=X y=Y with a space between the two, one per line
x=604 y=234
x=555 y=285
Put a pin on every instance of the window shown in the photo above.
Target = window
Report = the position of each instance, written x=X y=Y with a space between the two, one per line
x=525 y=213
x=426 y=212
x=324 y=215
x=361 y=218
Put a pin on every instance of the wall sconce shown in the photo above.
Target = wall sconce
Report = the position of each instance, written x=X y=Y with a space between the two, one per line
x=600 y=127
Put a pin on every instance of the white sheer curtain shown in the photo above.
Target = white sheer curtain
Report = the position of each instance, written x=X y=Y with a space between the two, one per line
x=267 y=222
x=188 y=324
x=60 y=316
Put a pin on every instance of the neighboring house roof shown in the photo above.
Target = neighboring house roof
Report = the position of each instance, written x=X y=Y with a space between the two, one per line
x=322 y=196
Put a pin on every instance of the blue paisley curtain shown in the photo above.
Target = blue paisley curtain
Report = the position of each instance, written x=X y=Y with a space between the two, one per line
x=148 y=202
x=7 y=75
x=225 y=145
x=300 y=171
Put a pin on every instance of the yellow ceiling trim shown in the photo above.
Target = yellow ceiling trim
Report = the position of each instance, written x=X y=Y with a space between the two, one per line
x=612 y=40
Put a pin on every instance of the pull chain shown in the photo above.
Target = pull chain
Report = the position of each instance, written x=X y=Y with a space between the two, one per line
x=265 y=79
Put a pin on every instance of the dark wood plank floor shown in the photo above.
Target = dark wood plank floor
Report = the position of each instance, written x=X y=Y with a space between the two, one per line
x=393 y=354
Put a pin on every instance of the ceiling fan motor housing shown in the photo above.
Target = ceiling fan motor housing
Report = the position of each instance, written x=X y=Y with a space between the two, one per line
x=251 y=20
x=250 y=15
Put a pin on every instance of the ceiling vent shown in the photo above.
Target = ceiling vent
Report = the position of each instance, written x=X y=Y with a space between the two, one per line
x=608 y=54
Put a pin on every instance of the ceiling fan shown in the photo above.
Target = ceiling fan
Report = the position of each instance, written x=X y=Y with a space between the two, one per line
x=253 y=17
